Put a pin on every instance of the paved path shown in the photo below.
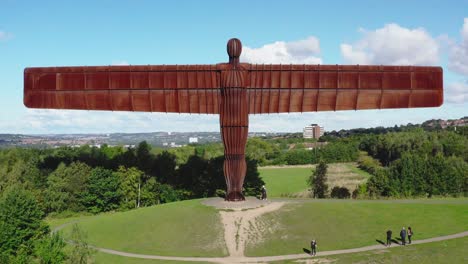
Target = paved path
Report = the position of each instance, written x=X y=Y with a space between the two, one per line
x=268 y=258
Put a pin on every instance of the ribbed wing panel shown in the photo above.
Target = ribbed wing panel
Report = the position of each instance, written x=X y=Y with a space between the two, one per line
x=312 y=88
x=171 y=88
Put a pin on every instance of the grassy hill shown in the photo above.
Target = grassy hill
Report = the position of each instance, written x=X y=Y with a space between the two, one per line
x=342 y=224
x=189 y=228
x=185 y=228
x=450 y=251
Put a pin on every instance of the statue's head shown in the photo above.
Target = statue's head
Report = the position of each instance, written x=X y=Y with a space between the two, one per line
x=234 y=49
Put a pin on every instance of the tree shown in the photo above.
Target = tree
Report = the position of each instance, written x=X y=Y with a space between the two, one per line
x=20 y=220
x=50 y=249
x=64 y=187
x=318 y=180
x=144 y=157
x=101 y=193
x=252 y=181
x=81 y=252
x=164 y=167
x=129 y=186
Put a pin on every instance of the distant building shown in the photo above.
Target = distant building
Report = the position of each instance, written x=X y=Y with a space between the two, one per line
x=193 y=140
x=313 y=131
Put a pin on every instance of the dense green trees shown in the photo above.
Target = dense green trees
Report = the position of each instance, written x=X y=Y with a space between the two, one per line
x=50 y=249
x=417 y=163
x=20 y=224
x=65 y=186
x=102 y=192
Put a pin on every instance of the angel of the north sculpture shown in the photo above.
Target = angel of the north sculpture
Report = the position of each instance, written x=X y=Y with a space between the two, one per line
x=233 y=90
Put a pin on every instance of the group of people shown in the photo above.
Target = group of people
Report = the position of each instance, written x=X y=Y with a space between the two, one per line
x=403 y=234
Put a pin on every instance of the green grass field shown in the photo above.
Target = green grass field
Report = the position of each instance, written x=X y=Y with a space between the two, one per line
x=291 y=181
x=185 y=228
x=350 y=224
x=285 y=181
x=450 y=251
x=103 y=258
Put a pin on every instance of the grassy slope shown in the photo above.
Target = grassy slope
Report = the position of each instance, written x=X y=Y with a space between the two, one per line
x=284 y=181
x=350 y=224
x=450 y=251
x=103 y=258
x=185 y=228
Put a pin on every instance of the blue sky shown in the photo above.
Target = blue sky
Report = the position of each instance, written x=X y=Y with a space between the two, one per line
x=66 y=33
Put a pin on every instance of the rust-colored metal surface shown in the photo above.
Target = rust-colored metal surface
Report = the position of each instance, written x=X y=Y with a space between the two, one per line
x=233 y=90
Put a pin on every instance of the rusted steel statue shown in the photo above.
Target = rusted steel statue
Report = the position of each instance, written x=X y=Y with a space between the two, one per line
x=233 y=90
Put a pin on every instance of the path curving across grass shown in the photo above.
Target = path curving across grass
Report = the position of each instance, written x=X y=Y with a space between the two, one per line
x=185 y=228
x=338 y=224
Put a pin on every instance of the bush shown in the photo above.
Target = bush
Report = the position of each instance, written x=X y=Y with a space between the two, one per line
x=340 y=192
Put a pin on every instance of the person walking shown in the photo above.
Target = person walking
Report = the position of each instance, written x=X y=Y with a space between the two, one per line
x=410 y=234
x=403 y=236
x=313 y=247
x=264 y=193
x=389 y=238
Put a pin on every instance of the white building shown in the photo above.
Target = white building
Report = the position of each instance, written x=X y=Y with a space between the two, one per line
x=313 y=131
x=193 y=140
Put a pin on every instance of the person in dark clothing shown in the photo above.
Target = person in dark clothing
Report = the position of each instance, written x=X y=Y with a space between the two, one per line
x=264 y=193
x=389 y=238
x=410 y=233
x=313 y=247
x=403 y=236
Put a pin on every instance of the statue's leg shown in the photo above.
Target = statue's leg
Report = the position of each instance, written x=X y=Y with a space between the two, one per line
x=234 y=121
x=235 y=166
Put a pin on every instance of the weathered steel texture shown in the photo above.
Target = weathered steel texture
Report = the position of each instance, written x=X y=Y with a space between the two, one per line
x=313 y=88
x=234 y=90
x=234 y=121
x=169 y=88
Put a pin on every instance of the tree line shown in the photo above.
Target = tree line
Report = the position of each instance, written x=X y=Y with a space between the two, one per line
x=415 y=163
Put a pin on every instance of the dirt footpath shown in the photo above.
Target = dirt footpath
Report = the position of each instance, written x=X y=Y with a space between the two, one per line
x=239 y=218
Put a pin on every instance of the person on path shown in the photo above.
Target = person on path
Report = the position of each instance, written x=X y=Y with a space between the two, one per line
x=264 y=193
x=403 y=236
x=313 y=247
x=410 y=233
x=389 y=238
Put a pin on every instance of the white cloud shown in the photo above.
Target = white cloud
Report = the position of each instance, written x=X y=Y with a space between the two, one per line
x=120 y=63
x=456 y=92
x=393 y=45
x=43 y=121
x=304 y=51
x=4 y=36
x=458 y=59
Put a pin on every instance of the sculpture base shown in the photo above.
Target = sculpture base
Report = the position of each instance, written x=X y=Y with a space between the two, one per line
x=235 y=197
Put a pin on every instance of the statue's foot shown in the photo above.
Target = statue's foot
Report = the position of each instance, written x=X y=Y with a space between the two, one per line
x=235 y=196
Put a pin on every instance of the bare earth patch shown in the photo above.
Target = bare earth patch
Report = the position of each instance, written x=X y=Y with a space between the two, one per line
x=239 y=226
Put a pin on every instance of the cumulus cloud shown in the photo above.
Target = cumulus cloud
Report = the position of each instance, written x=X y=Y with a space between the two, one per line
x=456 y=92
x=394 y=45
x=304 y=51
x=458 y=59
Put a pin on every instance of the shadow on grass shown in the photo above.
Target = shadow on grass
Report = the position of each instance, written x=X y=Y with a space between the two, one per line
x=306 y=250
x=380 y=242
x=396 y=242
